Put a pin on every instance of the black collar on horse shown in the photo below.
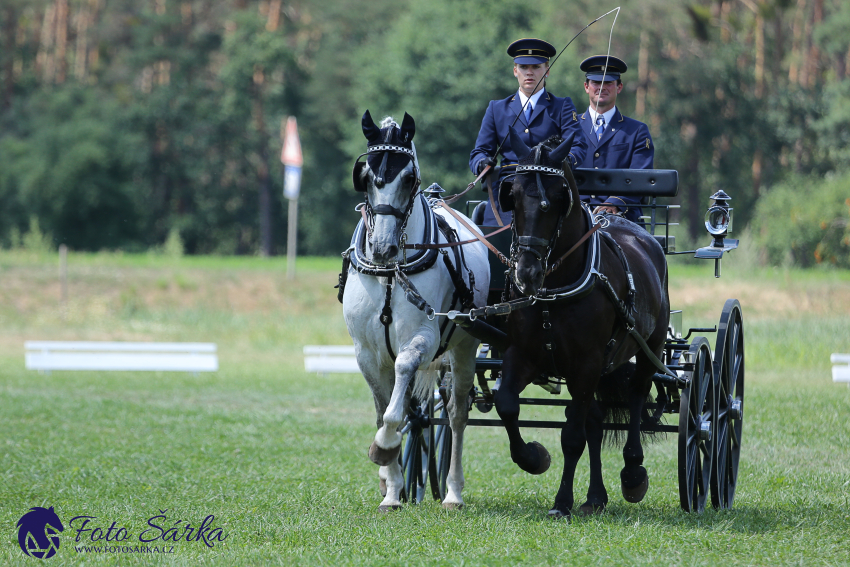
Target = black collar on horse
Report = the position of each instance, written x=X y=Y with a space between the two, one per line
x=581 y=336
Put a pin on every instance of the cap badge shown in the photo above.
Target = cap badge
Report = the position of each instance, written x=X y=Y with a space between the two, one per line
x=529 y=52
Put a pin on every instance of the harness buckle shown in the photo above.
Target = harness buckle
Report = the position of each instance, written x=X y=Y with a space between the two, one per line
x=403 y=243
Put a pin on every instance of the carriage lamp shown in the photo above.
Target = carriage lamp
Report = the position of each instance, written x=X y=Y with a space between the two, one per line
x=718 y=217
x=718 y=223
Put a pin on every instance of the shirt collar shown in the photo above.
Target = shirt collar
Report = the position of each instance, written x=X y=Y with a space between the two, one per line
x=607 y=115
x=534 y=98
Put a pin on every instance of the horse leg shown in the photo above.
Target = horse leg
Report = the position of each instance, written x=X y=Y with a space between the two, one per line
x=390 y=476
x=597 y=496
x=531 y=457
x=634 y=478
x=573 y=440
x=387 y=444
x=462 y=360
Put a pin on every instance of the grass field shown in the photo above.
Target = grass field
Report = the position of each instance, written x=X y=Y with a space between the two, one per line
x=279 y=456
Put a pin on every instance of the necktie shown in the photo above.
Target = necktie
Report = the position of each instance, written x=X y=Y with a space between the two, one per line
x=600 y=126
x=528 y=110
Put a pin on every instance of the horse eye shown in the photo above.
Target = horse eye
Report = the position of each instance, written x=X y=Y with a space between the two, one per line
x=407 y=179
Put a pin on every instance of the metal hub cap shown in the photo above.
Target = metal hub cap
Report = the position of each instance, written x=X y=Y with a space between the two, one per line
x=705 y=431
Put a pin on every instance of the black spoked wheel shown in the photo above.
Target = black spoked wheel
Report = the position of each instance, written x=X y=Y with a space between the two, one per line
x=417 y=453
x=697 y=427
x=442 y=452
x=729 y=368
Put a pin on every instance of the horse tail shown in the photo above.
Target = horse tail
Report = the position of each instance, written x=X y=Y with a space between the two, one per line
x=612 y=396
x=426 y=380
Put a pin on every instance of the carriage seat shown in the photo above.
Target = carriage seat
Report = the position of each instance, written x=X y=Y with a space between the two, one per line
x=478 y=213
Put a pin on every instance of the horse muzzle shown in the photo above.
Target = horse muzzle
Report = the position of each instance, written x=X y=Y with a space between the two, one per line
x=385 y=239
x=529 y=275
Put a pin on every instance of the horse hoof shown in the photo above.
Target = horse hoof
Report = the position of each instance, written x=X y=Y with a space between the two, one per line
x=588 y=509
x=452 y=505
x=389 y=507
x=545 y=458
x=636 y=492
x=383 y=457
x=556 y=514
x=383 y=486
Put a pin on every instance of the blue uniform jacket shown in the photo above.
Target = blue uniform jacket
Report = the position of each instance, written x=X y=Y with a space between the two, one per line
x=625 y=144
x=551 y=116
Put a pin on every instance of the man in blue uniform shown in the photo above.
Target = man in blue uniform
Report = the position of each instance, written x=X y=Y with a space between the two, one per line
x=614 y=141
x=535 y=113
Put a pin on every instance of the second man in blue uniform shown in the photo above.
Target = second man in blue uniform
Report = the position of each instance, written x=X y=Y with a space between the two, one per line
x=615 y=141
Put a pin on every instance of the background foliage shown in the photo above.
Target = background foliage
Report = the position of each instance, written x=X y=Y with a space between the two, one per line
x=122 y=121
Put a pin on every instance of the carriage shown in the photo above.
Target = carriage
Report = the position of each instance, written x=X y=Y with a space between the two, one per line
x=702 y=390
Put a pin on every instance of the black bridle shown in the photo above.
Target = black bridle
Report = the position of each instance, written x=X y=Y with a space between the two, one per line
x=380 y=181
x=530 y=244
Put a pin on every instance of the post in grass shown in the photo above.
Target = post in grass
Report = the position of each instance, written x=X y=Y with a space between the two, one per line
x=292 y=161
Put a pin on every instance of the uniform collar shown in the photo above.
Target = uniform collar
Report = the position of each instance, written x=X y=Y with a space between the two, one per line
x=609 y=116
x=534 y=98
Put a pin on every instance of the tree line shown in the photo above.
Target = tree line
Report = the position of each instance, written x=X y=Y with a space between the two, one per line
x=124 y=121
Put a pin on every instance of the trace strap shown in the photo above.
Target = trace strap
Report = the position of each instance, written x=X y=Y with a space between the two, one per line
x=475 y=232
x=453 y=244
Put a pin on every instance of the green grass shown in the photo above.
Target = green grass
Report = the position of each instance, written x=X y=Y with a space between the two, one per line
x=279 y=456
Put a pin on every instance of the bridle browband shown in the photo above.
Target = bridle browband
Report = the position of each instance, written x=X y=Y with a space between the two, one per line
x=541 y=169
x=370 y=211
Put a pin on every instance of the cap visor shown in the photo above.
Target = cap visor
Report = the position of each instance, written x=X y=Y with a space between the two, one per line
x=599 y=77
x=529 y=60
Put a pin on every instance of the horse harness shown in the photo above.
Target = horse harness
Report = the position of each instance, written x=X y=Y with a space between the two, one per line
x=422 y=259
x=583 y=286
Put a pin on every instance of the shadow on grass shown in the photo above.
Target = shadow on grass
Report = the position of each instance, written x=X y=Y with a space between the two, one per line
x=744 y=519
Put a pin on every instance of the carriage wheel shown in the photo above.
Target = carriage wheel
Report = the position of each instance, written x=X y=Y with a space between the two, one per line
x=439 y=470
x=697 y=427
x=417 y=453
x=729 y=368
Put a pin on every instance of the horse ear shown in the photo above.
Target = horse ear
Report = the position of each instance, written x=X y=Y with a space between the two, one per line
x=372 y=132
x=506 y=198
x=408 y=128
x=518 y=146
x=571 y=180
x=559 y=154
x=357 y=175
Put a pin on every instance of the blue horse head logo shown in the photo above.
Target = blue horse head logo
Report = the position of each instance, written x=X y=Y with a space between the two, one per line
x=38 y=532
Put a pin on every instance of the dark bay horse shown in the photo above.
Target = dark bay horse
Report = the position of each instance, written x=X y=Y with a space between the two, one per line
x=579 y=326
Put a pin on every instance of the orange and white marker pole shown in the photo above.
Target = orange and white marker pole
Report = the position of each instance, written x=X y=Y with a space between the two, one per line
x=292 y=160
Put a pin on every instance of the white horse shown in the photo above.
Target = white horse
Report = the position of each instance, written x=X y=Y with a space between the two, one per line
x=391 y=294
